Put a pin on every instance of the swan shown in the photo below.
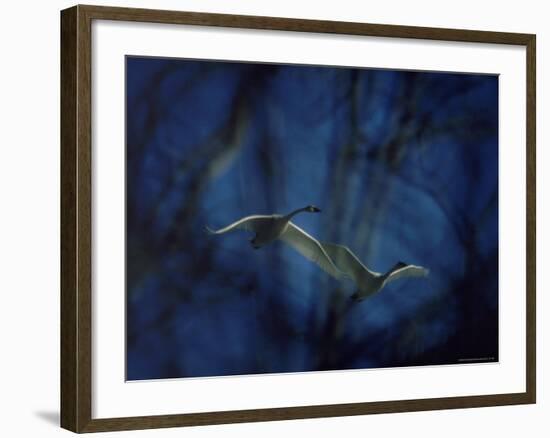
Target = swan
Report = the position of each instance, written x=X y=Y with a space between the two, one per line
x=268 y=228
x=368 y=282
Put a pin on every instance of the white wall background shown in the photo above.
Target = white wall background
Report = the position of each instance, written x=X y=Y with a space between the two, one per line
x=29 y=219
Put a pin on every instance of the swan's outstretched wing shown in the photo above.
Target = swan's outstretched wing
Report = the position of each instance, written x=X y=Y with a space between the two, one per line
x=310 y=248
x=248 y=223
x=347 y=262
x=407 y=271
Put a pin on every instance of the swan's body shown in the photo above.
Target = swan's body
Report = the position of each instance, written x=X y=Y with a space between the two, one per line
x=368 y=282
x=268 y=228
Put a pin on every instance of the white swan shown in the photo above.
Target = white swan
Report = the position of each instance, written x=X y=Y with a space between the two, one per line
x=268 y=228
x=367 y=281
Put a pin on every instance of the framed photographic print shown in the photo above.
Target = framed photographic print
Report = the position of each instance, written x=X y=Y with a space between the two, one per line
x=268 y=218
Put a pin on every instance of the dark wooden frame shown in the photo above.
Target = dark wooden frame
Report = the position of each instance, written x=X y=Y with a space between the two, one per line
x=76 y=236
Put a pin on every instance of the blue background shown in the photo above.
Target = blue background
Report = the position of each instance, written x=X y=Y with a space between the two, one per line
x=404 y=166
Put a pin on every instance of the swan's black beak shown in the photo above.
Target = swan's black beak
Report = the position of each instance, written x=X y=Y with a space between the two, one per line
x=315 y=209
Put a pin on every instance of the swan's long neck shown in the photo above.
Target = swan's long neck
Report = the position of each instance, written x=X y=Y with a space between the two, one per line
x=397 y=266
x=294 y=213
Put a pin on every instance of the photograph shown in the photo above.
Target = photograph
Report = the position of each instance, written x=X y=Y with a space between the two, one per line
x=285 y=218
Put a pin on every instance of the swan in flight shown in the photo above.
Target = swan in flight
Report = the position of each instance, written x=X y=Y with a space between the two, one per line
x=367 y=281
x=268 y=228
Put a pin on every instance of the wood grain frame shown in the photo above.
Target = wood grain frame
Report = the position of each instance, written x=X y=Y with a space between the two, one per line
x=76 y=226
